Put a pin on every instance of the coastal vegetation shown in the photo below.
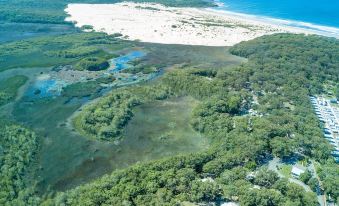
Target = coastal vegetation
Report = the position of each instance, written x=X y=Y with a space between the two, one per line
x=9 y=88
x=90 y=89
x=107 y=118
x=247 y=113
x=76 y=49
x=167 y=124
x=282 y=71
x=18 y=148
x=92 y=64
x=141 y=68
x=328 y=174
x=85 y=159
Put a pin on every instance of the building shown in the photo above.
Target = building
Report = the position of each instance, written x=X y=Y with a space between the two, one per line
x=297 y=171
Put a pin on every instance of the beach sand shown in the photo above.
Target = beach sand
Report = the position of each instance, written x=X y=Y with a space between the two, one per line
x=155 y=23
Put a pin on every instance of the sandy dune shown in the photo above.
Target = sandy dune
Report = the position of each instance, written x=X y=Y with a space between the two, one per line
x=158 y=24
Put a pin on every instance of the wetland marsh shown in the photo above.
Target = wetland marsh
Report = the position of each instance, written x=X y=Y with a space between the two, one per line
x=158 y=129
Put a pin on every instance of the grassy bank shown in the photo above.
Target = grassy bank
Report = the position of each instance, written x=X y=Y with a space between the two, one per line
x=59 y=50
x=9 y=88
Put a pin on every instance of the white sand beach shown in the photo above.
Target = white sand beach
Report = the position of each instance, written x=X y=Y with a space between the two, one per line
x=155 y=23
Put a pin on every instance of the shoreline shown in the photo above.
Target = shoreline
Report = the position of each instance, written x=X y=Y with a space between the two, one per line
x=155 y=23
x=323 y=30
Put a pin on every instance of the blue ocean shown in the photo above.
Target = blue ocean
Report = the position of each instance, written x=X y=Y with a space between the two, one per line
x=320 y=12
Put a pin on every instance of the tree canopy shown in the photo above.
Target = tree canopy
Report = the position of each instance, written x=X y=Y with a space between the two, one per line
x=281 y=72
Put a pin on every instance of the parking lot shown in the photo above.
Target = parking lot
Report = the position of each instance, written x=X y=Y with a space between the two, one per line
x=328 y=114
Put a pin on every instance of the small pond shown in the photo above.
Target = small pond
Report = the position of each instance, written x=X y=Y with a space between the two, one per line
x=120 y=63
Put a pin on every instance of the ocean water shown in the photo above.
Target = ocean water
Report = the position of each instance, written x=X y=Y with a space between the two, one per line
x=319 y=12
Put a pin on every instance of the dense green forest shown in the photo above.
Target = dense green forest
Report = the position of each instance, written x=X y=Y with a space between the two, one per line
x=281 y=72
x=50 y=11
x=18 y=147
x=329 y=176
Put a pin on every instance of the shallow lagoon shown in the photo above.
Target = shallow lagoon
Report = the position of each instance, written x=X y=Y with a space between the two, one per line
x=45 y=88
x=159 y=129
x=166 y=124
x=47 y=85
x=18 y=31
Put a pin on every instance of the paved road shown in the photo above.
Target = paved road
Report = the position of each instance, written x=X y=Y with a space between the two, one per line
x=300 y=183
x=272 y=165
x=321 y=198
